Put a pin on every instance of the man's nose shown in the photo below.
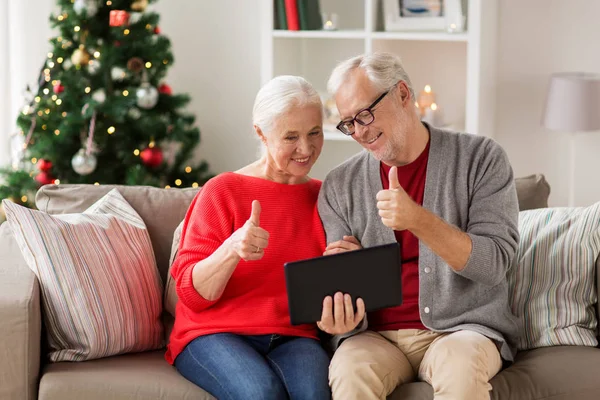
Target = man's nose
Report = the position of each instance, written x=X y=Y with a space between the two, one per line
x=359 y=129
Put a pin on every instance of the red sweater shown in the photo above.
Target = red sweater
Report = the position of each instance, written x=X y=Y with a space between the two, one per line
x=254 y=301
x=406 y=316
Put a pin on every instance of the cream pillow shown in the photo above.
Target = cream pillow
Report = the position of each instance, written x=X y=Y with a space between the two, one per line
x=552 y=285
x=100 y=286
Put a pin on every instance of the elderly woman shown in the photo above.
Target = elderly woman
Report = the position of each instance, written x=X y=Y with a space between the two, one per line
x=232 y=333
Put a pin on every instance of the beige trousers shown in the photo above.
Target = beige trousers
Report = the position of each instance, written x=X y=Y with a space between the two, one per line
x=457 y=365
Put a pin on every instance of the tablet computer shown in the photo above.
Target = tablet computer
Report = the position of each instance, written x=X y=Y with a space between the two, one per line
x=373 y=274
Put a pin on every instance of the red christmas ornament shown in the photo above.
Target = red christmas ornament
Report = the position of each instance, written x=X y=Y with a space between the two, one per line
x=165 y=89
x=157 y=30
x=44 y=165
x=44 y=178
x=152 y=157
x=118 y=18
x=58 y=88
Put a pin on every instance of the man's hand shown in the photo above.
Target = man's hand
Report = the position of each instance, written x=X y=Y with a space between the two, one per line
x=396 y=208
x=249 y=242
x=340 y=319
x=348 y=243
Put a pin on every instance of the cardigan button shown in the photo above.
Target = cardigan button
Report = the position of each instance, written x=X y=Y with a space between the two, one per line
x=426 y=310
x=427 y=270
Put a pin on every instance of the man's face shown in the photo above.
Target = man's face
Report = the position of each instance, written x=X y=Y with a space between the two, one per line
x=386 y=135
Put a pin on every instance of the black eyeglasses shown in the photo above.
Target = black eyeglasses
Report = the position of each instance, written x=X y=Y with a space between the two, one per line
x=363 y=117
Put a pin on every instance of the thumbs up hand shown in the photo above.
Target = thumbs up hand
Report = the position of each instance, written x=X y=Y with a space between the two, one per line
x=250 y=241
x=396 y=208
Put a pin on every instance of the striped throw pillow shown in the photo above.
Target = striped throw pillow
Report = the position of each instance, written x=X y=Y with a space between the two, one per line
x=552 y=282
x=100 y=286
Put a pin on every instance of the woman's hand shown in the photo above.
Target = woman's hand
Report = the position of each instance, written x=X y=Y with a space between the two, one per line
x=348 y=243
x=338 y=315
x=249 y=242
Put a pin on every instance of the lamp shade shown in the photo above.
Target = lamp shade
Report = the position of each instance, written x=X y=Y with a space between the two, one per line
x=573 y=102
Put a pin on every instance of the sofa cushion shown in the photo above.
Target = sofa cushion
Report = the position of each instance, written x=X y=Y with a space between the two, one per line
x=553 y=373
x=552 y=285
x=97 y=273
x=532 y=192
x=161 y=209
x=170 y=289
x=140 y=376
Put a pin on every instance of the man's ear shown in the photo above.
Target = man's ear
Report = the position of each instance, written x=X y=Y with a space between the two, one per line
x=402 y=88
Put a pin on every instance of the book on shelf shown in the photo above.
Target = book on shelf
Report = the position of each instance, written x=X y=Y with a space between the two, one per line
x=293 y=15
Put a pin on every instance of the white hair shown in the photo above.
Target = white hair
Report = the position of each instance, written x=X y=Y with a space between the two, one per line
x=280 y=94
x=384 y=70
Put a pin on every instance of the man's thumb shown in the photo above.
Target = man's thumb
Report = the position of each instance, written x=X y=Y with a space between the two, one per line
x=394 y=184
x=255 y=216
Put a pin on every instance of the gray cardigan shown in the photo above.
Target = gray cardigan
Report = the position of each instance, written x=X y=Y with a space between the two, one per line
x=470 y=185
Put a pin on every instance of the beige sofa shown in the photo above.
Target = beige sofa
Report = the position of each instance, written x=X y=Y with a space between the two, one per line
x=557 y=373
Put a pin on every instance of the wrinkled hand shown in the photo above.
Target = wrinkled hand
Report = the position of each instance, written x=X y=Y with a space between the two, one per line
x=338 y=315
x=250 y=241
x=348 y=243
x=396 y=208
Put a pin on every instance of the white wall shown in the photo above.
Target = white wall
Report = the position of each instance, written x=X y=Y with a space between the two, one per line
x=537 y=38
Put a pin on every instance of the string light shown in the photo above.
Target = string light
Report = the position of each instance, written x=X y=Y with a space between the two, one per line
x=148 y=26
x=58 y=102
x=188 y=169
x=59 y=60
x=64 y=114
x=109 y=3
x=24 y=199
x=59 y=39
x=54 y=97
x=136 y=152
x=148 y=64
x=125 y=92
x=126 y=32
x=47 y=78
x=165 y=61
x=57 y=132
x=178 y=182
x=77 y=28
x=60 y=17
x=88 y=89
x=167 y=187
x=44 y=127
x=34 y=160
x=47 y=111
x=50 y=55
x=51 y=64
x=38 y=99
x=46 y=71
x=111 y=130
x=97 y=183
x=96 y=54
x=54 y=82
x=151 y=144
x=57 y=181
x=46 y=90
x=195 y=185
x=40 y=113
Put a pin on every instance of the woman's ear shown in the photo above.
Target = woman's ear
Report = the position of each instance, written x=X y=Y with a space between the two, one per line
x=260 y=134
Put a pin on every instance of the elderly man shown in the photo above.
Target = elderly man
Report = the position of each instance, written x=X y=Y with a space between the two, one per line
x=449 y=199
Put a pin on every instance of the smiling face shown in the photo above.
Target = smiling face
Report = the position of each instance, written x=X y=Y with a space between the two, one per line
x=386 y=136
x=294 y=143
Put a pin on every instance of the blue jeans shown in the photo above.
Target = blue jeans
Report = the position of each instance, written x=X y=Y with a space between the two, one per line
x=277 y=367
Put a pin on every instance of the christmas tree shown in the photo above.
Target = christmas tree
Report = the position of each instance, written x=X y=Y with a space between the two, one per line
x=102 y=113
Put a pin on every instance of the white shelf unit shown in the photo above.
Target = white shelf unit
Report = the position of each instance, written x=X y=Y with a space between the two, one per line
x=460 y=67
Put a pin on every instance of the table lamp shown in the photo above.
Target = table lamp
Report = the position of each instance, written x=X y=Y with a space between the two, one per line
x=572 y=106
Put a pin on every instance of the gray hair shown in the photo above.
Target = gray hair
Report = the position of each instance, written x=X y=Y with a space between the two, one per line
x=278 y=95
x=384 y=70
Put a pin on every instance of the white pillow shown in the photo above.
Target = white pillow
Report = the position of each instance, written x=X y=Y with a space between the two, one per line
x=100 y=286
x=552 y=285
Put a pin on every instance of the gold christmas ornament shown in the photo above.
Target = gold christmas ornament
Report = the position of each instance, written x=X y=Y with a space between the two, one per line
x=80 y=56
x=139 y=5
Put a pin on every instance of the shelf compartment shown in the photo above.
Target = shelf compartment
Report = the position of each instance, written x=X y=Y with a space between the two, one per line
x=345 y=34
x=426 y=36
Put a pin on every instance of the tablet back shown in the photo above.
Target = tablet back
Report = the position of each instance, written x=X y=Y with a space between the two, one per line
x=373 y=274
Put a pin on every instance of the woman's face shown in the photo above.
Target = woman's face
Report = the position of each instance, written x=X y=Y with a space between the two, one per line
x=294 y=143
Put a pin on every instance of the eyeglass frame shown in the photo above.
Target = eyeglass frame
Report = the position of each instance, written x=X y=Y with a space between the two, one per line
x=368 y=109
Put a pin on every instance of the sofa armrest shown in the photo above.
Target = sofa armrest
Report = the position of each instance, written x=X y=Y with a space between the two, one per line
x=20 y=323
